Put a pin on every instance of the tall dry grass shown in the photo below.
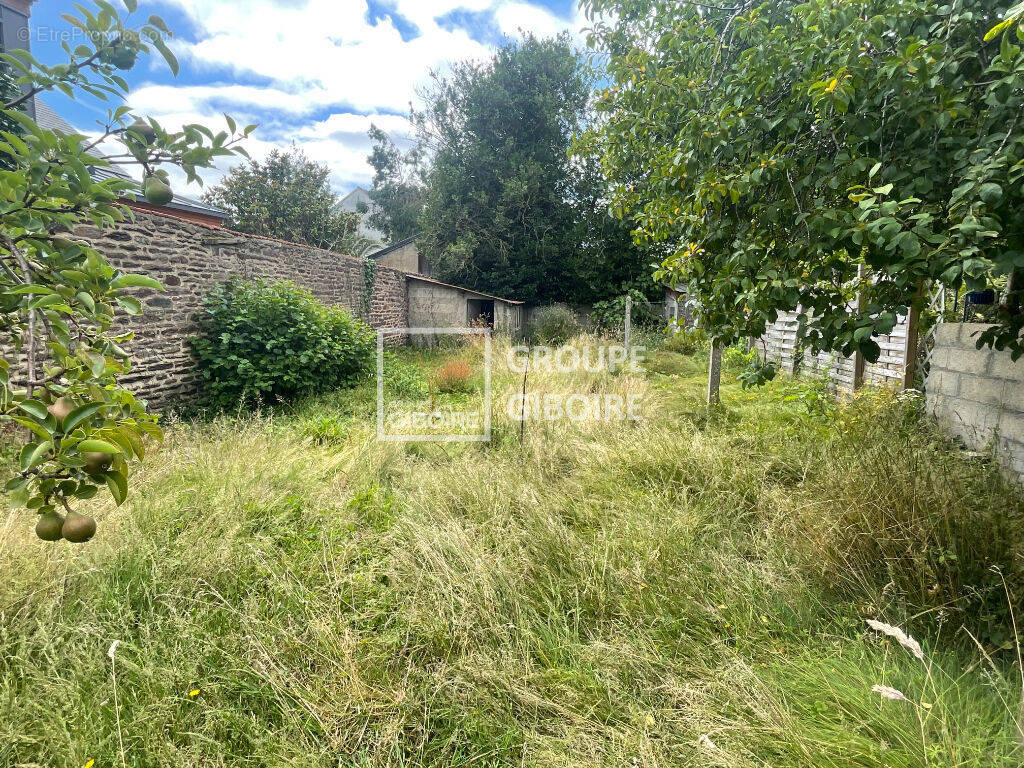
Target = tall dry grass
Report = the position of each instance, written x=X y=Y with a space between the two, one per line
x=289 y=593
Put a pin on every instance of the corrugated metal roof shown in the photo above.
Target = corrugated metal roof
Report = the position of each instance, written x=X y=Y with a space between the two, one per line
x=423 y=279
x=48 y=119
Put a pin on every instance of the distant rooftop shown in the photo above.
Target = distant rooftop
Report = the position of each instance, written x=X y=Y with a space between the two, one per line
x=432 y=281
x=349 y=201
x=48 y=119
x=393 y=247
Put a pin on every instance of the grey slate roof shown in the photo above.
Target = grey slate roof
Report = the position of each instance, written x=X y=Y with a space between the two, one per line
x=393 y=247
x=48 y=119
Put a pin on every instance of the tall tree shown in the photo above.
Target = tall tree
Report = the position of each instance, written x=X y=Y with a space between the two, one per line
x=507 y=207
x=288 y=196
x=607 y=262
x=781 y=150
x=398 y=191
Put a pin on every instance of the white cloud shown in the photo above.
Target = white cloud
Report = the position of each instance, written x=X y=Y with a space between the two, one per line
x=317 y=73
x=515 y=17
x=325 y=51
x=347 y=124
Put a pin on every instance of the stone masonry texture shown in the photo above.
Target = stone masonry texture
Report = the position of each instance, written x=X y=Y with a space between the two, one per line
x=978 y=394
x=190 y=259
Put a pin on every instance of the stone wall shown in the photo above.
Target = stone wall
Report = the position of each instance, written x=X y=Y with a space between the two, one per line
x=190 y=259
x=977 y=394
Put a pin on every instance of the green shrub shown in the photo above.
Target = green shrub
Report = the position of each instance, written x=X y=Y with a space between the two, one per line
x=738 y=357
x=404 y=378
x=611 y=315
x=555 y=325
x=275 y=342
x=689 y=341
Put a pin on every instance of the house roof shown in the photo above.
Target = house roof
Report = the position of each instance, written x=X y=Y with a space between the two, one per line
x=48 y=119
x=393 y=247
x=355 y=192
x=432 y=281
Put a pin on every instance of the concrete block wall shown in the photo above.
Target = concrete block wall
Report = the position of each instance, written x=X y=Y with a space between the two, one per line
x=508 y=318
x=191 y=259
x=438 y=305
x=677 y=308
x=977 y=394
x=404 y=259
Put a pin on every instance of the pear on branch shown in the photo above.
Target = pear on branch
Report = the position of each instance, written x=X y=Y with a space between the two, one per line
x=61 y=409
x=97 y=463
x=143 y=130
x=157 y=191
x=120 y=55
x=78 y=529
x=50 y=527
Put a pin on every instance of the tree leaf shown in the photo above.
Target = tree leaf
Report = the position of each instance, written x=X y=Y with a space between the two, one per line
x=35 y=455
x=169 y=57
x=98 y=446
x=118 y=485
x=79 y=415
x=34 y=408
x=135 y=281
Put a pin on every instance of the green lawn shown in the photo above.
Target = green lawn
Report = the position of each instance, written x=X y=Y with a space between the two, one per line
x=691 y=589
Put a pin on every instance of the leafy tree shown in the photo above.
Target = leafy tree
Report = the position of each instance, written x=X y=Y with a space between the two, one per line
x=780 y=150
x=288 y=196
x=608 y=263
x=508 y=210
x=611 y=314
x=398 y=191
x=58 y=297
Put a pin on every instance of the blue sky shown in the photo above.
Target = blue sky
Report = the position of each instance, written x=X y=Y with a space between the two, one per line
x=313 y=72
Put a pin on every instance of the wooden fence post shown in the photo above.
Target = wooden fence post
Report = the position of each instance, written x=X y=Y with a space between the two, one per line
x=715 y=374
x=629 y=321
x=910 y=347
x=858 y=356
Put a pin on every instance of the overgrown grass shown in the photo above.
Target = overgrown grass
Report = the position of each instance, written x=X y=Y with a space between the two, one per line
x=690 y=589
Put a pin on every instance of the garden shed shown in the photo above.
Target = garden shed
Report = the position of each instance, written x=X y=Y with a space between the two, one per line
x=433 y=304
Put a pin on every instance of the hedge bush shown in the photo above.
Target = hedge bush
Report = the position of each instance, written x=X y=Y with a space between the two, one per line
x=273 y=342
x=554 y=325
x=610 y=315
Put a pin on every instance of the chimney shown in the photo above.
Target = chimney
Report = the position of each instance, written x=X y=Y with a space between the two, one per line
x=14 y=26
x=21 y=6
x=14 y=16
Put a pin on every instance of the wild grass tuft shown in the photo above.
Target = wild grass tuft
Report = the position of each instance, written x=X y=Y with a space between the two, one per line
x=690 y=589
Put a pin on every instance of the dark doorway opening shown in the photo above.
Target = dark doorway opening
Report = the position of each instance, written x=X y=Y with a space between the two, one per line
x=480 y=313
